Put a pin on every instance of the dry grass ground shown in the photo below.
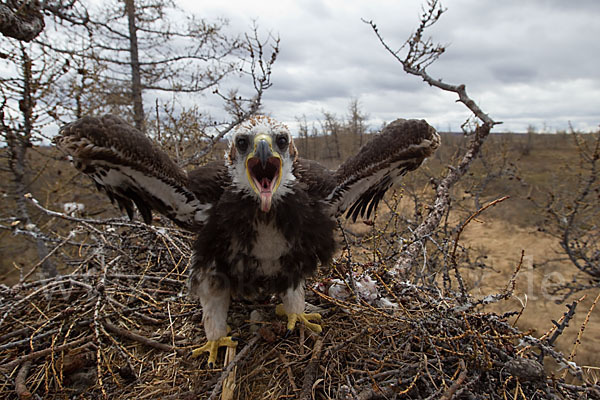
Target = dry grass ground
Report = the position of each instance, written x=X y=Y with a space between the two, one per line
x=502 y=243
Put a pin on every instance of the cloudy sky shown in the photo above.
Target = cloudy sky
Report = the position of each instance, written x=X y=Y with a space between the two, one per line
x=533 y=62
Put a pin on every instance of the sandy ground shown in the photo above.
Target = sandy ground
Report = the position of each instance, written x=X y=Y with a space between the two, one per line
x=503 y=243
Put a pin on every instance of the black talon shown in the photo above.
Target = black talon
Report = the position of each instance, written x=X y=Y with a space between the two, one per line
x=210 y=365
x=287 y=334
x=236 y=339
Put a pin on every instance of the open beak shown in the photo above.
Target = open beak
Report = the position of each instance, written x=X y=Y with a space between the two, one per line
x=263 y=168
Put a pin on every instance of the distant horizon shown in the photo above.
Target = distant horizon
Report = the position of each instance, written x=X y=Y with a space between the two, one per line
x=46 y=144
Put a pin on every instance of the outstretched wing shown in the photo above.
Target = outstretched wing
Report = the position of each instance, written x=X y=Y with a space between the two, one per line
x=132 y=170
x=363 y=179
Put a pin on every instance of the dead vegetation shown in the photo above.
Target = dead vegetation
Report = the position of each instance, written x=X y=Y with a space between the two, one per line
x=120 y=326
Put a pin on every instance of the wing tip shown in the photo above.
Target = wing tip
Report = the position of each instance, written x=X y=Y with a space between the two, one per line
x=368 y=202
x=415 y=132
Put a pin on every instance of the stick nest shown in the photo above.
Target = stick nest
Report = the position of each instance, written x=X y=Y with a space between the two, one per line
x=120 y=325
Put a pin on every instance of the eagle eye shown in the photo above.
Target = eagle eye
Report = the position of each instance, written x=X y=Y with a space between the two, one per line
x=242 y=143
x=282 y=141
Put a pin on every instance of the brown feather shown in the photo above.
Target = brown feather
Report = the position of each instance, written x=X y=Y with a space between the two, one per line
x=132 y=170
x=362 y=180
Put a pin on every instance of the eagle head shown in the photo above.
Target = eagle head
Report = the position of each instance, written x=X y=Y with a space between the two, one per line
x=260 y=159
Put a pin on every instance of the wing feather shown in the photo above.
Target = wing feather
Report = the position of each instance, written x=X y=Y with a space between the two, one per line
x=316 y=180
x=362 y=180
x=126 y=165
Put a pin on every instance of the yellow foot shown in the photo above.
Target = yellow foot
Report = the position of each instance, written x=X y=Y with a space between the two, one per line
x=212 y=348
x=305 y=318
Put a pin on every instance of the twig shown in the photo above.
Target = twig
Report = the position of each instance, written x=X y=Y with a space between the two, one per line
x=31 y=295
x=572 y=367
x=461 y=378
x=471 y=217
x=46 y=257
x=13 y=333
x=564 y=321
x=370 y=394
x=228 y=391
x=349 y=262
x=557 y=328
x=100 y=290
x=139 y=338
x=20 y=386
x=284 y=363
x=460 y=230
x=311 y=370
x=88 y=222
x=240 y=356
x=580 y=333
x=494 y=298
x=42 y=353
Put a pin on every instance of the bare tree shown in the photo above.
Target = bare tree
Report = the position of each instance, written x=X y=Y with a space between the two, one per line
x=180 y=130
x=572 y=211
x=131 y=49
x=356 y=123
x=87 y=91
x=139 y=48
x=303 y=133
x=415 y=55
x=258 y=66
x=526 y=147
x=24 y=110
x=144 y=50
x=332 y=128
x=314 y=132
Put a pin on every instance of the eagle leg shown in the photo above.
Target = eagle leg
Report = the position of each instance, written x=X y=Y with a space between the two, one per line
x=293 y=308
x=214 y=294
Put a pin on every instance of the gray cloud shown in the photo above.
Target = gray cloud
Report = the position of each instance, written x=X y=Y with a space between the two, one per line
x=532 y=62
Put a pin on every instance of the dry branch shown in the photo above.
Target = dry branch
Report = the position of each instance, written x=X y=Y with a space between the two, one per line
x=371 y=394
x=20 y=386
x=228 y=390
x=141 y=339
x=311 y=371
x=461 y=378
x=42 y=353
x=471 y=217
x=238 y=358
x=419 y=55
x=581 y=330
